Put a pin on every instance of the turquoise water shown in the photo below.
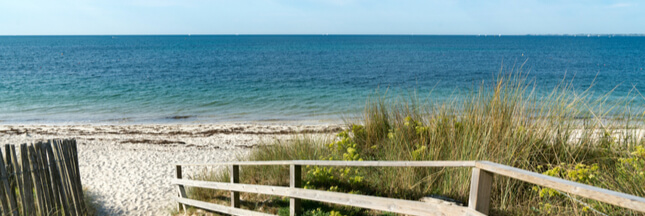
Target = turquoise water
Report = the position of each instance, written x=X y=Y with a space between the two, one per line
x=140 y=79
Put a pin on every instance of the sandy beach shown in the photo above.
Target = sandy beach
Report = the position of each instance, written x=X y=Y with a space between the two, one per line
x=127 y=168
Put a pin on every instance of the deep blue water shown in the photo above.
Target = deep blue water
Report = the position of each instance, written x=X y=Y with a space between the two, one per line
x=132 y=79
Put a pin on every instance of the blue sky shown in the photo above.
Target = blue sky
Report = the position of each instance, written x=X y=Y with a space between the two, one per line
x=111 y=17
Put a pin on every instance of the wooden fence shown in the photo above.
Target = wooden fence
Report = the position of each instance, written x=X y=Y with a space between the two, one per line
x=478 y=202
x=43 y=179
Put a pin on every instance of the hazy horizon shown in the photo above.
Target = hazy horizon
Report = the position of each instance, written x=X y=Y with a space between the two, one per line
x=316 y=17
x=483 y=35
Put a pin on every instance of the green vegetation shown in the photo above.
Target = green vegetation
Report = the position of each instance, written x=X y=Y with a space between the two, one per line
x=506 y=122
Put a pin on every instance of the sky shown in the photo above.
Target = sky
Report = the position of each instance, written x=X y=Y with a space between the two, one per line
x=436 y=17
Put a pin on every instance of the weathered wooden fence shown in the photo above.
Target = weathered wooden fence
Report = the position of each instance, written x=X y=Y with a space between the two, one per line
x=478 y=202
x=42 y=179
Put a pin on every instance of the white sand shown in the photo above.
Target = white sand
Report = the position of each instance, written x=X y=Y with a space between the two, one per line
x=127 y=167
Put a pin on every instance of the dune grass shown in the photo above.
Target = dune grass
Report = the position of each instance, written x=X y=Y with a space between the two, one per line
x=567 y=133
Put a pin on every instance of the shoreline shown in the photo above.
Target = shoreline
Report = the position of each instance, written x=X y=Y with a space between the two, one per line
x=177 y=122
x=127 y=168
x=174 y=128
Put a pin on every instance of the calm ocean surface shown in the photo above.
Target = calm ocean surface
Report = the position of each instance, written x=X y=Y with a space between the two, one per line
x=148 y=79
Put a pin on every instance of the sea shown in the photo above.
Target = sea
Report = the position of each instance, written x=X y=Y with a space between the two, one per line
x=281 y=78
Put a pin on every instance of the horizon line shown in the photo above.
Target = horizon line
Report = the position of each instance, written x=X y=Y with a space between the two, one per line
x=412 y=34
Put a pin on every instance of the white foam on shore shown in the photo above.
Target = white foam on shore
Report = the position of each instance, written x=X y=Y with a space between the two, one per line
x=127 y=168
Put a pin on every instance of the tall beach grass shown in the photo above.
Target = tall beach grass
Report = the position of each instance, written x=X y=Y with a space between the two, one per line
x=568 y=133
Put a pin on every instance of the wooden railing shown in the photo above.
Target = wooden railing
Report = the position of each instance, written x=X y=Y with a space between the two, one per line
x=478 y=202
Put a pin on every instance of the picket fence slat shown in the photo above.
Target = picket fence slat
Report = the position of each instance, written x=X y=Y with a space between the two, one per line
x=44 y=176
x=5 y=191
x=6 y=187
x=41 y=179
x=12 y=177
x=40 y=200
x=27 y=190
x=18 y=175
x=71 y=176
x=78 y=184
x=62 y=165
x=55 y=180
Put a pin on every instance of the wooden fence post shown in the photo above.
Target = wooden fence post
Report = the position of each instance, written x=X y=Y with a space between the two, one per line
x=13 y=174
x=11 y=206
x=17 y=169
x=56 y=187
x=480 y=187
x=35 y=171
x=181 y=190
x=71 y=175
x=65 y=176
x=27 y=190
x=235 y=178
x=45 y=178
x=77 y=174
x=3 y=200
x=295 y=181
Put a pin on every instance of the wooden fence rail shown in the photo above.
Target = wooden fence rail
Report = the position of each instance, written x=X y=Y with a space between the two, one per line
x=478 y=202
x=43 y=179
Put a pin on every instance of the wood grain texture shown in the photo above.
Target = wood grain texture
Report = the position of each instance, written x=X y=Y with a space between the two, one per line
x=583 y=190
x=65 y=149
x=377 y=203
x=9 y=204
x=483 y=173
x=219 y=208
x=63 y=166
x=181 y=191
x=75 y=166
x=45 y=178
x=295 y=181
x=35 y=171
x=27 y=190
x=6 y=171
x=72 y=156
x=480 y=186
x=55 y=180
x=18 y=178
x=65 y=190
x=235 y=178
x=346 y=163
